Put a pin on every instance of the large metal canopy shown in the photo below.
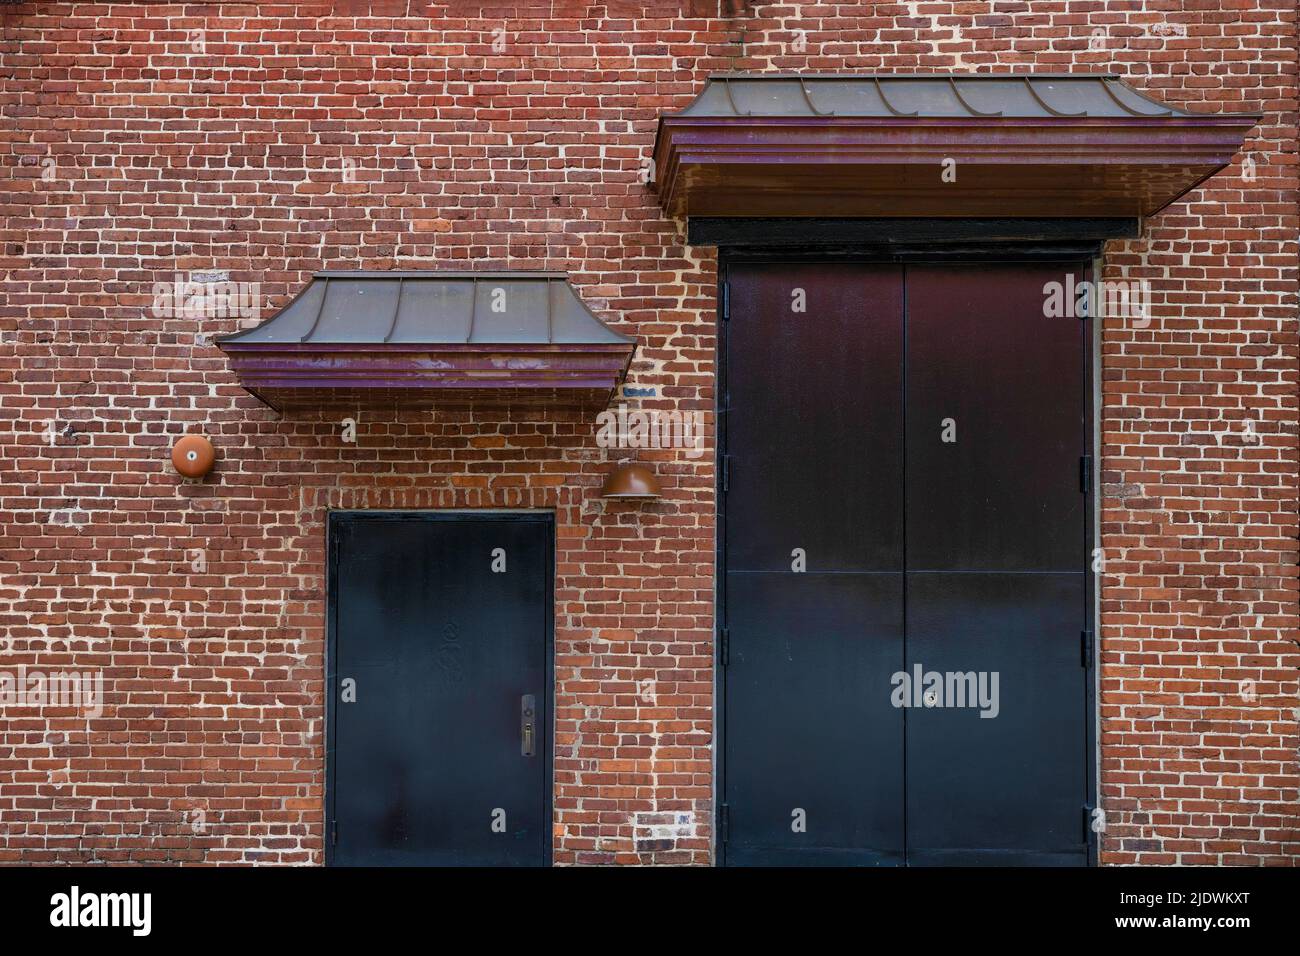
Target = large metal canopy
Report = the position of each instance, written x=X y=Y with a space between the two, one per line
x=934 y=146
x=428 y=338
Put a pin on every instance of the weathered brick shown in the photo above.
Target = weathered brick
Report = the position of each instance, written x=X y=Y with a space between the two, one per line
x=145 y=140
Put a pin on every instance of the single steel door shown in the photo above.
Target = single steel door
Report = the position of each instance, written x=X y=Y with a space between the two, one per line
x=439 y=678
x=812 y=557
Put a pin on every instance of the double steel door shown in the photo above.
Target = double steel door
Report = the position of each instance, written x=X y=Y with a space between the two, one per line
x=904 y=552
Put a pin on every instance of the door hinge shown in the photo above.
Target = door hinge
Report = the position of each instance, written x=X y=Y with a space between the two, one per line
x=1087 y=823
x=724 y=822
x=334 y=833
x=1085 y=473
x=726 y=302
x=724 y=646
x=726 y=472
x=1085 y=649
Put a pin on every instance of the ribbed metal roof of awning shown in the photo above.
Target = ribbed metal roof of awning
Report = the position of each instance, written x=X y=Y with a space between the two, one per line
x=404 y=308
x=392 y=333
x=925 y=96
x=864 y=145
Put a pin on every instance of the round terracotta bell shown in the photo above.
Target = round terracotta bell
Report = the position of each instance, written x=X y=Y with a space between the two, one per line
x=630 y=481
x=192 y=456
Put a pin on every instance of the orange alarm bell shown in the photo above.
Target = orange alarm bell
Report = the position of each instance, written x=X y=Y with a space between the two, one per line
x=192 y=456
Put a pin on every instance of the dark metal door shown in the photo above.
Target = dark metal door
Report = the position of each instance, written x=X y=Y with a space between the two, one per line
x=812 y=549
x=996 y=565
x=439 y=682
x=916 y=433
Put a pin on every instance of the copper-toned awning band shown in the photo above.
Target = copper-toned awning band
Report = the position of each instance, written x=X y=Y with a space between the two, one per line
x=410 y=336
x=1036 y=145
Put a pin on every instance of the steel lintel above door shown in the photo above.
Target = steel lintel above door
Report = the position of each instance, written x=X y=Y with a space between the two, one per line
x=903 y=234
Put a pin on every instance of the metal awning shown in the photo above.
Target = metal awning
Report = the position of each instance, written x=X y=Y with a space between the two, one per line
x=426 y=337
x=1080 y=145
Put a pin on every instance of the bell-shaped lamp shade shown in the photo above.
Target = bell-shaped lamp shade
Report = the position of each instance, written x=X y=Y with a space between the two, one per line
x=629 y=480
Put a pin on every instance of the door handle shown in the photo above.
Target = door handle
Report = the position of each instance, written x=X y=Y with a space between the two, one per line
x=527 y=724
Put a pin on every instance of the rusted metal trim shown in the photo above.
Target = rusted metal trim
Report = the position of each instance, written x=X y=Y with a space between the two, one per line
x=397 y=309
x=1029 y=85
x=324 y=294
x=970 y=109
x=803 y=88
x=880 y=91
x=1105 y=85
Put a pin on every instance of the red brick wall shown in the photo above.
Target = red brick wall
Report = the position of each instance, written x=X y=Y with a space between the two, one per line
x=130 y=155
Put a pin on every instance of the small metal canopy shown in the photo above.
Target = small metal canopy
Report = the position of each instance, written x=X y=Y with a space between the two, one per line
x=428 y=337
x=935 y=145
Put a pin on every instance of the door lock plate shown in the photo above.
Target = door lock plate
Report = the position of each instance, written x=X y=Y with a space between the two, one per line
x=527 y=724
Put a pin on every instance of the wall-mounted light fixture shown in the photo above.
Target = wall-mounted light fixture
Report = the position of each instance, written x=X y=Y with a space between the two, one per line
x=193 y=455
x=630 y=480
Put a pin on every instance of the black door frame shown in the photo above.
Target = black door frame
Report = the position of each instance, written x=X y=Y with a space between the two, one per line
x=333 y=517
x=765 y=246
